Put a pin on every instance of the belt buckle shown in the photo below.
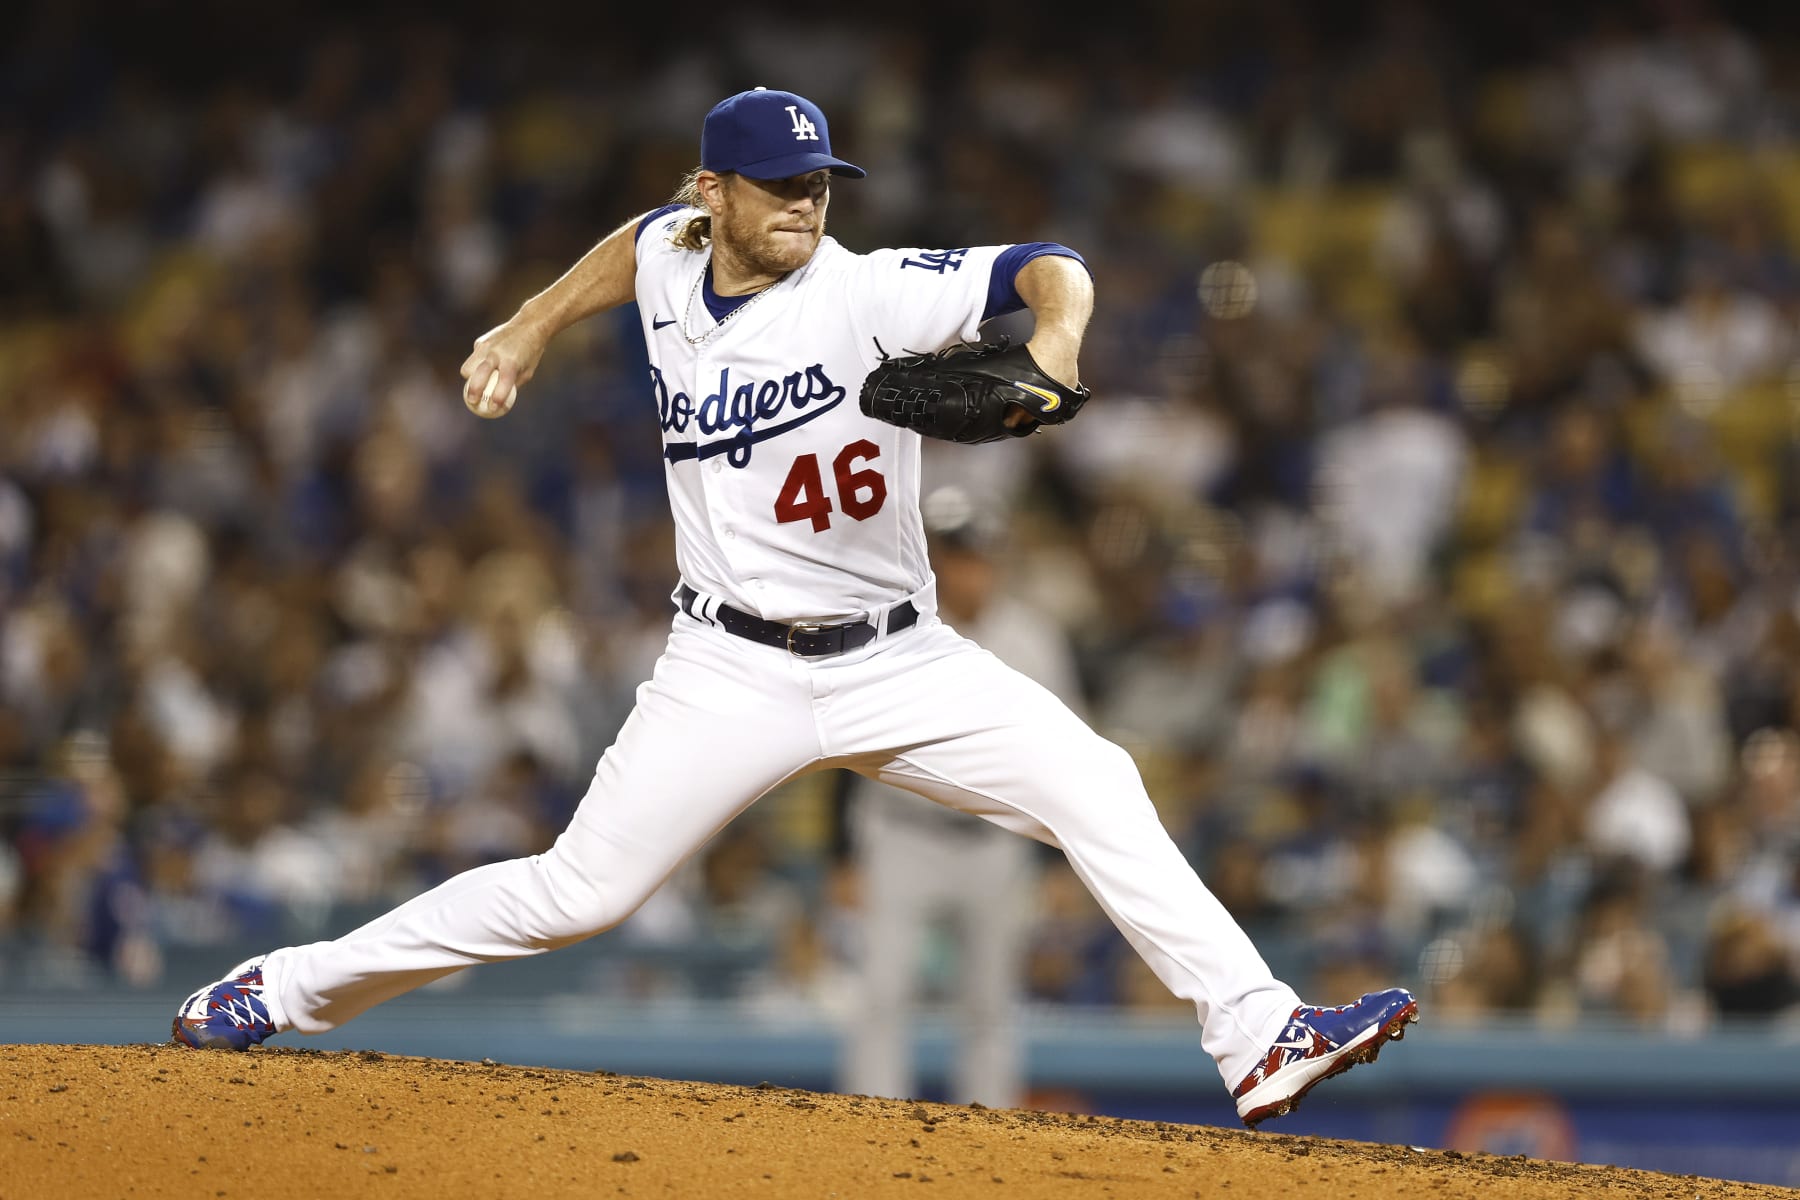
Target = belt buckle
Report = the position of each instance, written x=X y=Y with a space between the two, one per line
x=807 y=627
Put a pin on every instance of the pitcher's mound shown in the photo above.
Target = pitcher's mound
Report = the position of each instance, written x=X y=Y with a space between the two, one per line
x=160 y=1121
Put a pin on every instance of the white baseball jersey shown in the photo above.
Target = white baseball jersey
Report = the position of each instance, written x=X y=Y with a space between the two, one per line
x=788 y=501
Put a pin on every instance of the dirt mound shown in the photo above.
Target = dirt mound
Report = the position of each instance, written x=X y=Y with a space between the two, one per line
x=151 y=1121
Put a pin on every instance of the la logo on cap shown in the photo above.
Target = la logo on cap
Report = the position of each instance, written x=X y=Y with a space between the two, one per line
x=803 y=126
x=804 y=129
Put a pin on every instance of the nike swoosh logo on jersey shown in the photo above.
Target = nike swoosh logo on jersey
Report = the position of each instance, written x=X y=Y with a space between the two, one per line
x=1051 y=400
x=658 y=322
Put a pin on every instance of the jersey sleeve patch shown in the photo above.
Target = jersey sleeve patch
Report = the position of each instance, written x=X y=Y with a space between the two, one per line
x=916 y=301
x=935 y=261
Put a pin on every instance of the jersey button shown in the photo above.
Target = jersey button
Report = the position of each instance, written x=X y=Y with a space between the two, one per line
x=717 y=466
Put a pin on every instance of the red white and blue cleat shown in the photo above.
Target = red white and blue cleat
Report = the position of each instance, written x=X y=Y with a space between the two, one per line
x=1319 y=1043
x=227 y=1015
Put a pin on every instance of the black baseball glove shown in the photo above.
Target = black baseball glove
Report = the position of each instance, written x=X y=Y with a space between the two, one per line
x=964 y=393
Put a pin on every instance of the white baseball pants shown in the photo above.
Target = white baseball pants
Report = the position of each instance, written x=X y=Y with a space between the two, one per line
x=724 y=720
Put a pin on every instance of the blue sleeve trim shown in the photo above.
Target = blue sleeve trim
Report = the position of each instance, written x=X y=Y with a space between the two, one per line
x=1003 y=293
x=644 y=224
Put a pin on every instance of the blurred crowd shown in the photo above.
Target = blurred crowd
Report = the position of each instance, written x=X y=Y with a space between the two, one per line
x=1434 y=541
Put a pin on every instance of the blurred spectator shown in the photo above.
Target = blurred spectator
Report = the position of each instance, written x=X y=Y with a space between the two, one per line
x=1621 y=962
x=1074 y=947
x=503 y=816
x=1634 y=815
x=1714 y=341
x=375 y=830
x=1749 y=972
x=1388 y=482
x=1493 y=970
x=263 y=868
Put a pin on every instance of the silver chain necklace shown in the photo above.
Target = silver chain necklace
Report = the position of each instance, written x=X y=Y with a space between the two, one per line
x=687 y=314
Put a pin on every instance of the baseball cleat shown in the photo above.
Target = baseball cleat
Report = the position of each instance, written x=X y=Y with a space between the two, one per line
x=227 y=1015
x=1319 y=1043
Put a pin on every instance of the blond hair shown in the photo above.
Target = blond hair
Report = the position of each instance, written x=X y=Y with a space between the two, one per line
x=695 y=232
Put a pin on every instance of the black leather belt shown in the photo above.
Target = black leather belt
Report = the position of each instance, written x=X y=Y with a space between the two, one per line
x=807 y=639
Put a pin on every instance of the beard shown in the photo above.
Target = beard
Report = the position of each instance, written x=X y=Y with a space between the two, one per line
x=756 y=247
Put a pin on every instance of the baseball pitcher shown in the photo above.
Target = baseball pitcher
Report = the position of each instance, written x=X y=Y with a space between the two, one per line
x=792 y=379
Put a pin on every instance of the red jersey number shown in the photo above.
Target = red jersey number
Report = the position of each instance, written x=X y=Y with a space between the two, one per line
x=860 y=489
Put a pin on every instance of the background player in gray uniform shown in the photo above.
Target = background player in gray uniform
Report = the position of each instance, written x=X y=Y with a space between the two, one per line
x=926 y=870
x=807 y=635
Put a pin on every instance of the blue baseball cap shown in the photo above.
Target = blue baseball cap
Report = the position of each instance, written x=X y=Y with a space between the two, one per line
x=769 y=135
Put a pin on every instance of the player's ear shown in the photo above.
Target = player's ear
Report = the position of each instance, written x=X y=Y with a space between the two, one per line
x=712 y=185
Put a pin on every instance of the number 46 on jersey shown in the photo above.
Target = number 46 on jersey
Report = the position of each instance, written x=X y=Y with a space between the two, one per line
x=861 y=490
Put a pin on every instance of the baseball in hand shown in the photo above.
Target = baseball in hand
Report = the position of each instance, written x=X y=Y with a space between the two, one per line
x=488 y=405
